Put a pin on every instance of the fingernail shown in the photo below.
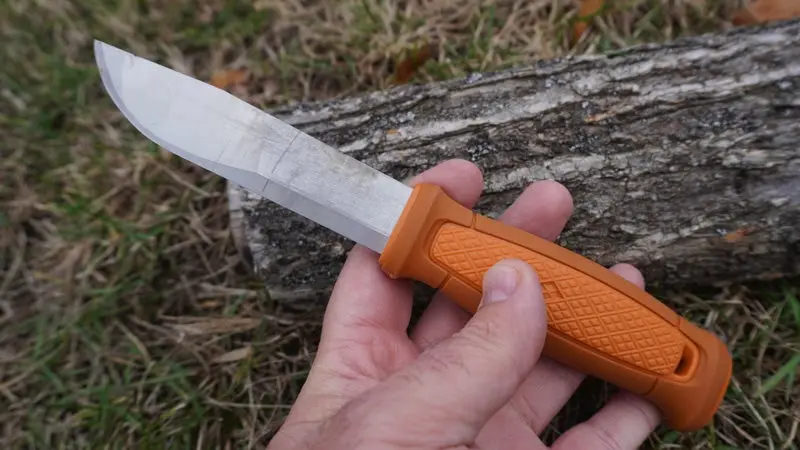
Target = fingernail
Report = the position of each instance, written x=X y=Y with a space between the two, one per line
x=499 y=283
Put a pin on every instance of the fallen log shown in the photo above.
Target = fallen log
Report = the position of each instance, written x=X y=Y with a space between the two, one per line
x=682 y=158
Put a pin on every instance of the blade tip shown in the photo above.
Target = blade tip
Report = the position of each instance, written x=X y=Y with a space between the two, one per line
x=100 y=50
x=111 y=62
x=106 y=56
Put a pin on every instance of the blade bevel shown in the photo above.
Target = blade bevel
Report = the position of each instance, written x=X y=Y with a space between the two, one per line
x=264 y=155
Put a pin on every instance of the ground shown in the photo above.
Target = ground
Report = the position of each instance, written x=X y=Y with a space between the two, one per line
x=127 y=317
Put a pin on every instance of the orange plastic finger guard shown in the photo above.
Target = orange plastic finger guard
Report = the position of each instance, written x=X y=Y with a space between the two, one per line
x=598 y=322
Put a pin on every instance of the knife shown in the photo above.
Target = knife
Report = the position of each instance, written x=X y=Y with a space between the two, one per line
x=598 y=323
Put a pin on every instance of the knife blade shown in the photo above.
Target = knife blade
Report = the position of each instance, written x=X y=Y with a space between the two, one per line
x=258 y=152
x=598 y=322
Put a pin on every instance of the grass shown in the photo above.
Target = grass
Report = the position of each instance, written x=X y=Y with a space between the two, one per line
x=128 y=318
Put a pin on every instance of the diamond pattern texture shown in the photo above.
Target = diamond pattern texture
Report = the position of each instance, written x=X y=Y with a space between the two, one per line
x=577 y=305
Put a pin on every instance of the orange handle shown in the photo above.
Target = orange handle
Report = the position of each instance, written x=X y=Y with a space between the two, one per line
x=598 y=322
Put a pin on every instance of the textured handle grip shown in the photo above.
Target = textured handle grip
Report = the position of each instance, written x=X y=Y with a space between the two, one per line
x=598 y=323
x=578 y=306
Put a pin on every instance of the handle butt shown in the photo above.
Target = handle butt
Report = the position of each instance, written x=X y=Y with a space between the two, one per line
x=690 y=398
x=598 y=323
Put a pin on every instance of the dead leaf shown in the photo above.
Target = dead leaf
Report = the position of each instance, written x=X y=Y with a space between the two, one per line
x=587 y=8
x=217 y=326
x=738 y=235
x=206 y=14
x=224 y=79
x=210 y=304
x=599 y=117
x=772 y=276
x=233 y=355
x=409 y=65
x=762 y=11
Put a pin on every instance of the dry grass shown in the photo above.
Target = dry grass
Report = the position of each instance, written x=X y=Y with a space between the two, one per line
x=127 y=317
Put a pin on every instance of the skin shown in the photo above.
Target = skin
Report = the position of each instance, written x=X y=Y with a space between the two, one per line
x=455 y=381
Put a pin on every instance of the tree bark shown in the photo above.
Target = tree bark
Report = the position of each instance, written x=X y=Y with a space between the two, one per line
x=682 y=158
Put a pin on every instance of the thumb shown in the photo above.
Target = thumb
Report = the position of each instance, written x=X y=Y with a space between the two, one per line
x=471 y=375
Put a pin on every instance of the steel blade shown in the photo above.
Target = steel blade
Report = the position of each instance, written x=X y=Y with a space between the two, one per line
x=228 y=136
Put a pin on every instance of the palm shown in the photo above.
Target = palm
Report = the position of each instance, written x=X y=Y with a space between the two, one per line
x=374 y=354
x=364 y=337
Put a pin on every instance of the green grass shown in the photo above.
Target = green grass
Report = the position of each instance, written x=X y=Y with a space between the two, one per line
x=120 y=283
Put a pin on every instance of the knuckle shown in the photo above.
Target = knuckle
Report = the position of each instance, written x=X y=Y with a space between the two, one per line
x=488 y=338
x=444 y=359
x=602 y=436
x=523 y=405
x=498 y=344
x=486 y=333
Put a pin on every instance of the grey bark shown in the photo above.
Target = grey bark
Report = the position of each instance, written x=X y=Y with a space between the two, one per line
x=682 y=158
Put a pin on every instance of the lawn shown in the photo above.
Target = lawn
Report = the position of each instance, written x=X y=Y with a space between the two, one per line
x=128 y=318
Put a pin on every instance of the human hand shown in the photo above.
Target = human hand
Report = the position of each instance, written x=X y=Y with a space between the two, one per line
x=457 y=381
